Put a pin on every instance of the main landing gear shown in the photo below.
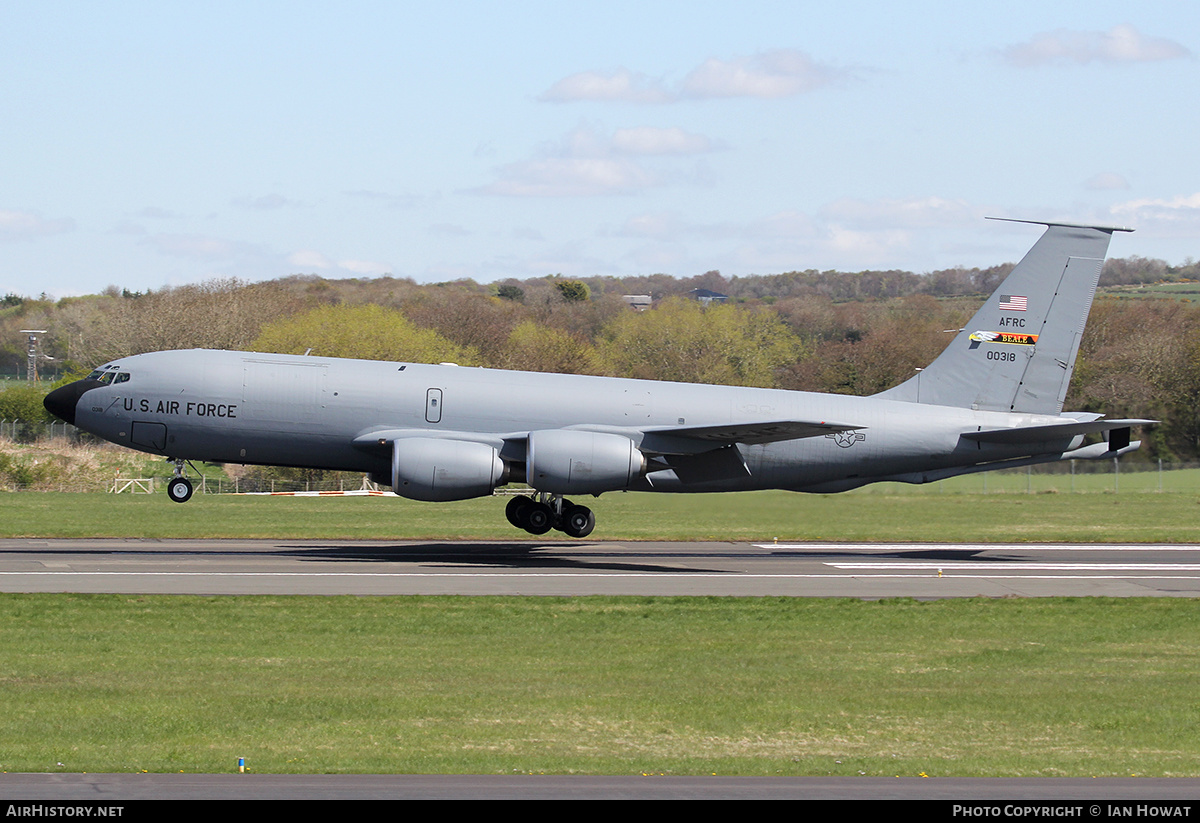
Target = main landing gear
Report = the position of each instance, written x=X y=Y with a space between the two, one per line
x=180 y=488
x=543 y=512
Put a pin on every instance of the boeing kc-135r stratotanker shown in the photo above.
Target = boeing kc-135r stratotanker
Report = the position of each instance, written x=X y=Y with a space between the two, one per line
x=993 y=399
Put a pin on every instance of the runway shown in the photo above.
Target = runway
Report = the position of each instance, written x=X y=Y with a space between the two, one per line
x=575 y=568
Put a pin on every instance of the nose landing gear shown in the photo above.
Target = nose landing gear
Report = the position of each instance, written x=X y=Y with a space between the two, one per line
x=543 y=512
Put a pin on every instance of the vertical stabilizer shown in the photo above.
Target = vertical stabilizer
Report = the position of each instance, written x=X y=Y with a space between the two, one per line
x=1018 y=351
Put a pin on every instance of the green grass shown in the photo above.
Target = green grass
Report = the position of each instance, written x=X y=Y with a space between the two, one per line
x=1184 y=291
x=751 y=516
x=600 y=685
x=1131 y=477
x=596 y=685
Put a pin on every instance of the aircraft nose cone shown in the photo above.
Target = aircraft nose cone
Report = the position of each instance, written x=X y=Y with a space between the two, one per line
x=62 y=401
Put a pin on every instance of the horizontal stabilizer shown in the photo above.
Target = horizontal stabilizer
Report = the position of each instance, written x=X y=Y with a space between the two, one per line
x=1103 y=451
x=1039 y=434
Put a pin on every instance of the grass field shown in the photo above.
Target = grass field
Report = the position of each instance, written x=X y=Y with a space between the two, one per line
x=598 y=685
x=1179 y=291
x=754 y=516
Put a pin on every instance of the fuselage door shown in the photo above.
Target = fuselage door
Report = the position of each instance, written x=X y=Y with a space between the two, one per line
x=148 y=435
x=433 y=406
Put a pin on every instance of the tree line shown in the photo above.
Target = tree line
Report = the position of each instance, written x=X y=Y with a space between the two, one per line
x=851 y=333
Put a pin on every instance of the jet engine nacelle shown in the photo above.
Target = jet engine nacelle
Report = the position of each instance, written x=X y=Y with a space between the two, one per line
x=427 y=468
x=564 y=461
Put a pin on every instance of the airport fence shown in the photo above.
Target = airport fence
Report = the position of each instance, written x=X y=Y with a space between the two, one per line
x=1068 y=477
x=1126 y=476
x=24 y=431
x=1086 y=477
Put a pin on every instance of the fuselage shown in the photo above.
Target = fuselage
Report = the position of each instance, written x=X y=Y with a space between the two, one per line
x=341 y=414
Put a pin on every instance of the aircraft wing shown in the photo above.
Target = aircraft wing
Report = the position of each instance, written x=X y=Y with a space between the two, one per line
x=673 y=440
x=695 y=439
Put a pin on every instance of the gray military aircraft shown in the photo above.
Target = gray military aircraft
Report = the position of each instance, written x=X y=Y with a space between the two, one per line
x=993 y=399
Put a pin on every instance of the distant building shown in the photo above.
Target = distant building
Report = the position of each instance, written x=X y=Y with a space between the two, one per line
x=707 y=296
x=637 y=302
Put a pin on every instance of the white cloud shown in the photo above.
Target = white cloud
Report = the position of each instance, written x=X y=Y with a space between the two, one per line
x=369 y=267
x=620 y=85
x=571 y=177
x=647 y=140
x=1106 y=181
x=675 y=228
x=784 y=224
x=129 y=227
x=659 y=225
x=877 y=246
x=267 y=202
x=528 y=233
x=770 y=74
x=1182 y=201
x=1121 y=44
x=22 y=225
x=909 y=213
x=1181 y=213
x=449 y=230
x=391 y=201
x=587 y=162
x=195 y=246
x=793 y=241
x=848 y=234
x=157 y=213
x=779 y=73
x=309 y=259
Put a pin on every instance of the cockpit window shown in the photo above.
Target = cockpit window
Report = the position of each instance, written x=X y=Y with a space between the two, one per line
x=107 y=376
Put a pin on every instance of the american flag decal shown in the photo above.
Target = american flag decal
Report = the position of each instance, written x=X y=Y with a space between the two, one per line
x=1014 y=302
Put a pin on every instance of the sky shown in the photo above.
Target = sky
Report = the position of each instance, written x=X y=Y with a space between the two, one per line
x=146 y=145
